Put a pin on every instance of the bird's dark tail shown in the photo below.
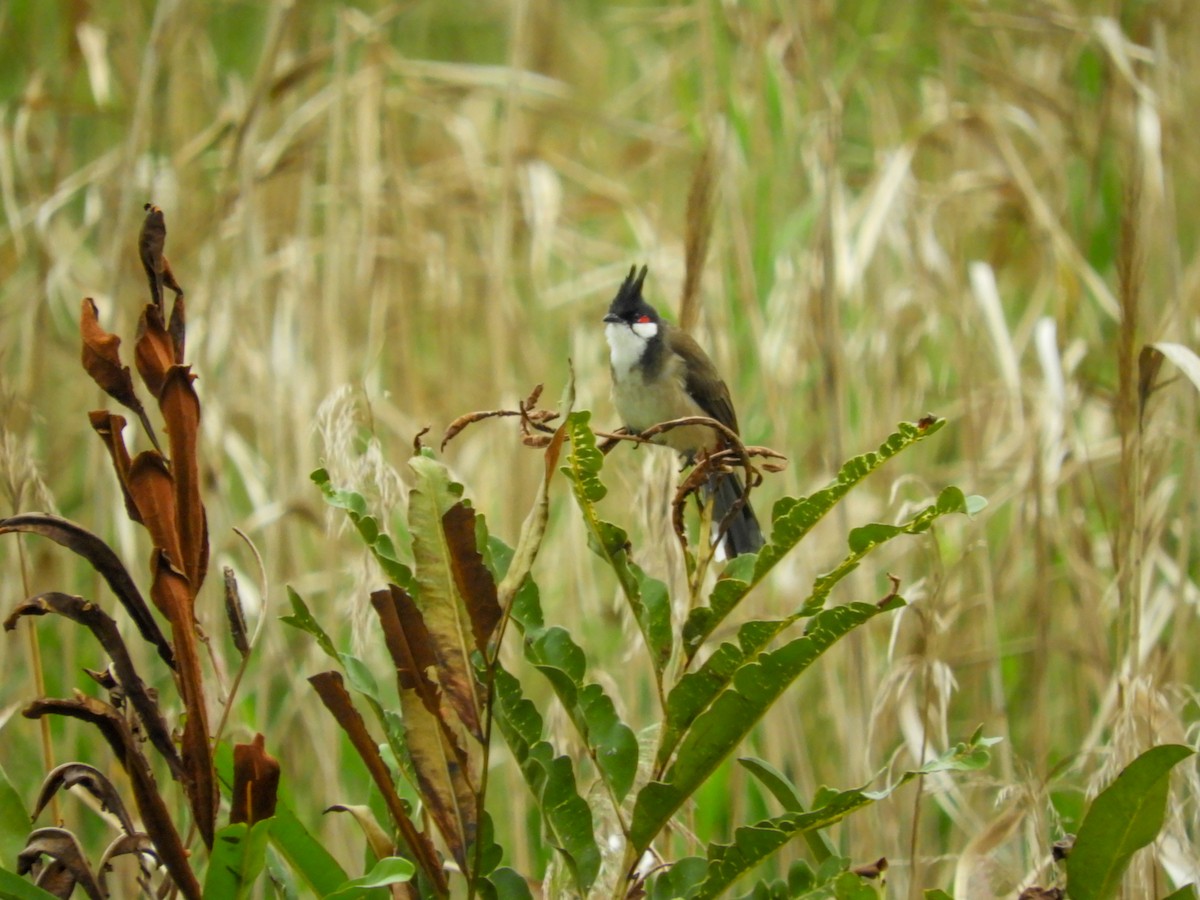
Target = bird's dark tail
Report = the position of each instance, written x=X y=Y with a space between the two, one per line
x=743 y=534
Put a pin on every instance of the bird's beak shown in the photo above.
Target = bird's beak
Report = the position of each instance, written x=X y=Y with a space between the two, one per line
x=612 y=317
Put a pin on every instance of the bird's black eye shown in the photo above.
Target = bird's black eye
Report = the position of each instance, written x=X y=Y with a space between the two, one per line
x=642 y=319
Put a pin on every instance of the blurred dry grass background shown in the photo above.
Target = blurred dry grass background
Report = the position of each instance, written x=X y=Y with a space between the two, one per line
x=386 y=215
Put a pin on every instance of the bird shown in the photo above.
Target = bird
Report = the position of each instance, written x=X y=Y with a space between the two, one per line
x=660 y=373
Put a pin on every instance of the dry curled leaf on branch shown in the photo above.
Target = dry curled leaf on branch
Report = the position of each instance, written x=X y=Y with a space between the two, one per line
x=535 y=430
x=92 y=780
x=733 y=456
x=72 y=869
x=127 y=680
x=128 y=752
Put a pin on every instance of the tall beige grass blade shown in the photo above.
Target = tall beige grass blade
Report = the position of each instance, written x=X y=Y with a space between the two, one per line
x=1184 y=358
x=987 y=295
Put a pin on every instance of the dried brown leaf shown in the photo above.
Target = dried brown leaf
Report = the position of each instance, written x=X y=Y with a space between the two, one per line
x=106 y=632
x=472 y=578
x=152 y=488
x=127 y=749
x=151 y=241
x=101 y=557
x=441 y=765
x=172 y=594
x=333 y=694
x=92 y=780
x=110 y=426
x=154 y=350
x=455 y=427
x=63 y=847
x=102 y=359
x=255 y=782
x=234 y=613
x=181 y=409
x=177 y=327
x=139 y=845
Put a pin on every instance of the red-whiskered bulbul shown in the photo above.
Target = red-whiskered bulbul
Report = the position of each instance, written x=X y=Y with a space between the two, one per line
x=660 y=373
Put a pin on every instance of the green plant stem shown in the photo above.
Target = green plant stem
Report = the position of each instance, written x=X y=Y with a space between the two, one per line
x=39 y=678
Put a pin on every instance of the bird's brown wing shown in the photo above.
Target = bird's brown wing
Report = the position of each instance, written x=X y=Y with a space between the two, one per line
x=703 y=383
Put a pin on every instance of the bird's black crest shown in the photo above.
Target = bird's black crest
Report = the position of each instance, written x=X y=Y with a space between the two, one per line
x=629 y=297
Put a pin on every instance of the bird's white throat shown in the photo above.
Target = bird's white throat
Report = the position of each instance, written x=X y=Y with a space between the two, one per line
x=627 y=343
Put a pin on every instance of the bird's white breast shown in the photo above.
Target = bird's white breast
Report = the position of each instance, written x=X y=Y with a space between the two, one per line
x=626 y=345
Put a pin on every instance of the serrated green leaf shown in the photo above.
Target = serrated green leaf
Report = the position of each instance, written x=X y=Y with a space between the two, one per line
x=696 y=690
x=610 y=742
x=754 y=843
x=377 y=540
x=716 y=731
x=1124 y=817
x=551 y=779
x=785 y=792
x=303 y=619
x=647 y=597
x=791 y=520
x=682 y=876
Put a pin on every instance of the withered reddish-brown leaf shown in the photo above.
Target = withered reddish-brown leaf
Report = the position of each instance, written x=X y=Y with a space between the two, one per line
x=441 y=766
x=473 y=578
x=333 y=694
x=177 y=327
x=92 y=780
x=172 y=594
x=151 y=241
x=152 y=488
x=411 y=648
x=105 y=630
x=154 y=351
x=128 y=751
x=453 y=429
x=110 y=426
x=101 y=557
x=62 y=846
x=181 y=409
x=102 y=359
x=255 y=782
